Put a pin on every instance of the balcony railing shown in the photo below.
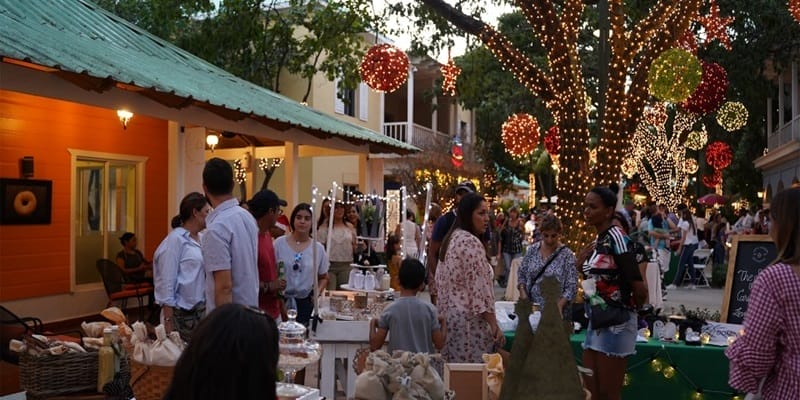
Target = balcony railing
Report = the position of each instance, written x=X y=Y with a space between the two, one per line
x=786 y=134
x=425 y=138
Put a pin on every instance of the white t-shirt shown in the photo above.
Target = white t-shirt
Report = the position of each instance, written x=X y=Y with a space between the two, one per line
x=691 y=234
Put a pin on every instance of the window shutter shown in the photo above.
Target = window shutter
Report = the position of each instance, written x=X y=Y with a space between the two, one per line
x=363 y=101
x=338 y=104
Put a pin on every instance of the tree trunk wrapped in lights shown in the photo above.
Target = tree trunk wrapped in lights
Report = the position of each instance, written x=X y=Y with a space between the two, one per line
x=562 y=88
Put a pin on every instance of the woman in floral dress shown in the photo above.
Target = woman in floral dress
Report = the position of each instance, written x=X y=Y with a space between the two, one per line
x=464 y=280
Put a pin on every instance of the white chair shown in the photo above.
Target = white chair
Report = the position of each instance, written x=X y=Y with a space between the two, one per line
x=702 y=260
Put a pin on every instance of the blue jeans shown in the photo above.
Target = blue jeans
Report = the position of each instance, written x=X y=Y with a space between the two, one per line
x=686 y=261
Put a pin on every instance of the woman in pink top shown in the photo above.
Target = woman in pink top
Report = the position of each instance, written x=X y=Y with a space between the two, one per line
x=770 y=347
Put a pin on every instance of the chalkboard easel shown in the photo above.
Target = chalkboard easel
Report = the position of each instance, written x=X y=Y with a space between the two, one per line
x=749 y=255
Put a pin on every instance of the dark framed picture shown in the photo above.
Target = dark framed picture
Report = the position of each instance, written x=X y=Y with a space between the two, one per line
x=25 y=201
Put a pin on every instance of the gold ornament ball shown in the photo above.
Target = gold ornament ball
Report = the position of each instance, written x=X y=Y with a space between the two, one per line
x=520 y=134
x=696 y=140
x=691 y=166
x=629 y=167
x=674 y=75
x=732 y=116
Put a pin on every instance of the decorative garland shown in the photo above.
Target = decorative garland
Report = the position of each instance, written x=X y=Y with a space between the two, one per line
x=450 y=73
x=711 y=92
x=674 y=75
x=384 y=68
x=520 y=134
x=719 y=155
x=696 y=139
x=732 y=116
x=552 y=141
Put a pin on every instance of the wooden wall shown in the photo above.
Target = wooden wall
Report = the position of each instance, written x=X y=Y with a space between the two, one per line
x=35 y=259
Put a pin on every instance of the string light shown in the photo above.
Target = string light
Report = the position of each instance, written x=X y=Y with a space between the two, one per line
x=688 y=42
x=732 y=116
x=715 y=26
x=719 y=155
x=713 y=180
x=674 y=75
x=696 y=139
x=691 y=166
x=269 y=163
x=629 y=167
x=711 y=92
x=384 y=68
x=450 y=73
x=520 y=134
x=794 y=9
x=239 y=173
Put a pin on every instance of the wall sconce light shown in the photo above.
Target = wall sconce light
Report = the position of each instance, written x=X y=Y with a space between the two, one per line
x=212 y=141
x=124 y=117
x=760 y=194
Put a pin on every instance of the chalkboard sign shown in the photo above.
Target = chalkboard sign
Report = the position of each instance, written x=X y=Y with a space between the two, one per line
x=749 y=255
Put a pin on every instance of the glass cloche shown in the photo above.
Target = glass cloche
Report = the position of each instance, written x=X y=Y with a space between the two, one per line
x=295 y=350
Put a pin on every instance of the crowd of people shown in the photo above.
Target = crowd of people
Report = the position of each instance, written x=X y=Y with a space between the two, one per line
x=228 y=270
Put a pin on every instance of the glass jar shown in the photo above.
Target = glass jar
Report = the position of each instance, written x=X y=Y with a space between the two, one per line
x=295 y=350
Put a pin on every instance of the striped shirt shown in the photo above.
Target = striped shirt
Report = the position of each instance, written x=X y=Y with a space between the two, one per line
x=770 y=346
x=605 y=263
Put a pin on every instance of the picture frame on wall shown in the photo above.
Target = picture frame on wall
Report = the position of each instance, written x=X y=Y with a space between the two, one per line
x=25 y=201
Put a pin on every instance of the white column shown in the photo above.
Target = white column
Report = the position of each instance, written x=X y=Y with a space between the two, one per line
x=769 y=117
x=410 y=105
x=435 y=113
x=292 y=163
x=781 y=101
x=363 y=173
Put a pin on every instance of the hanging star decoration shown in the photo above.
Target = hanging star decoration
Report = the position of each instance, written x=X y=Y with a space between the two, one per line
x=450 y=73
x=716 y=26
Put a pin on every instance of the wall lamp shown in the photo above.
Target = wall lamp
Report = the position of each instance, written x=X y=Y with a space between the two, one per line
x=212 y=140
x=124 y=116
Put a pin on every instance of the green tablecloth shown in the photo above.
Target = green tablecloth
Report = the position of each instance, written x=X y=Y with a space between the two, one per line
x=695 y=367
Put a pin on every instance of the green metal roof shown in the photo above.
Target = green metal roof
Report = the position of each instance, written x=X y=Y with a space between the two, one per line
x=77 y=36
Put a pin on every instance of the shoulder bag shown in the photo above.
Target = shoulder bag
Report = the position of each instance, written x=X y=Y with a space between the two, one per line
x=539 y=275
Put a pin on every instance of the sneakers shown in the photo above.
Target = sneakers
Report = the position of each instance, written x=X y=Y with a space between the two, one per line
x=671 y=287
x=692 y=287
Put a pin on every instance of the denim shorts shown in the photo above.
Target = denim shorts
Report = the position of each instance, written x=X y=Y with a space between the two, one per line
x=614 y=341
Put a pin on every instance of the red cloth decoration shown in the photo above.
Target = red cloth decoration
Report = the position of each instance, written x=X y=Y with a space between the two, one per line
x=552 y=141
x=520 y=134
x=711 y=93
x=384 y=68
x=711 y=181
x=719 y=155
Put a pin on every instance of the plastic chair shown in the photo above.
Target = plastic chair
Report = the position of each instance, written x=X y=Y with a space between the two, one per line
x=116 y=287
x=702 y=259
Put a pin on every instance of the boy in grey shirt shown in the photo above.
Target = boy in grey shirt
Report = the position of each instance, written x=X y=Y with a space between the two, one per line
x=414 y=324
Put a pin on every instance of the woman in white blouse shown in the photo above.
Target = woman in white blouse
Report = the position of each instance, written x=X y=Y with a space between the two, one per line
x=343 y=246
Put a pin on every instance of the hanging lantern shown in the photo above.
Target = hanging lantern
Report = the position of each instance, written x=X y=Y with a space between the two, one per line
x=629 y=167
x=450 y=73
x=674 y=75
x=656 y=114
x=690 y=166
x=719 y=155
x=696 y=139
x=456 y=153
x=711 y=92
x=732 y=116
x=552 y=141
x=520 y=134
x=794 y=9
x=711 y=181
x=384 y=68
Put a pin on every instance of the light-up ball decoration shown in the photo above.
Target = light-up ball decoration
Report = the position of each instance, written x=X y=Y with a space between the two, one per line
x=520 y=134
x=719 y=155
x=696 y=140
x=711 y=92
x=552 y=141
x=794 y=9
x=656 y=115
x=674 y=75
x=711 y=181
x=384 y=68
x=629 y=167
x=690 y=166
x=450 y=73
x=732 y=116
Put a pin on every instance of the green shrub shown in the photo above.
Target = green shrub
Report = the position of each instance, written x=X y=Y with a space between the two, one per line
x=719 y=274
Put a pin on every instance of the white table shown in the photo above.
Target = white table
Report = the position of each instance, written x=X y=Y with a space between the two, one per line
x=340 y=340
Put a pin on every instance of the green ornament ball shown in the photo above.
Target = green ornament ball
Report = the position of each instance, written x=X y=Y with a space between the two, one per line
x=674 y=75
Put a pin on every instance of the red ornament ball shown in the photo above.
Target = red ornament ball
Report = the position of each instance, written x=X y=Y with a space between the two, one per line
x=384 y=68
x=719 y=155
x=711 y=93
x=794 y=9
x=711 y=181
x=552 y=141
x=520 y=134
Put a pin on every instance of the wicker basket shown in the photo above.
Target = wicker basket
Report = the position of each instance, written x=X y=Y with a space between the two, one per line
x=149 y=382
x=49 y=375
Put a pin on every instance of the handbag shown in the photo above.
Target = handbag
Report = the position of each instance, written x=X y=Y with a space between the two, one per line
x=539 y=275
x=758 y=395
x=607 y=315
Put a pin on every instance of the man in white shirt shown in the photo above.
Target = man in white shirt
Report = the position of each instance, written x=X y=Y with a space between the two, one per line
x=230 y=244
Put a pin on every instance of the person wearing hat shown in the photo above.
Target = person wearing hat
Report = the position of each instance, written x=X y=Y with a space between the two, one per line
x=266 y=208
x=281 y=227
x=440 y=229
x=230 y=244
